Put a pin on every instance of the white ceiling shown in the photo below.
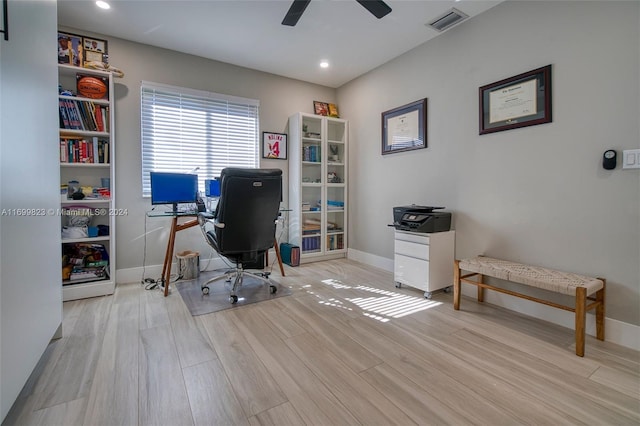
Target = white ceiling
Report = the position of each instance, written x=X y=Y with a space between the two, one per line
x=249 y=33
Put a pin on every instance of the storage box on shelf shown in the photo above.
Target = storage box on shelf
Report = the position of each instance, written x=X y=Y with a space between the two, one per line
x=86 y=167
x=318 y=186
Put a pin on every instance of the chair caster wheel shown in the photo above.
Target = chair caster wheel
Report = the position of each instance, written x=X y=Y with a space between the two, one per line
x=233 y=299
x=205 y=290
x=273 y=289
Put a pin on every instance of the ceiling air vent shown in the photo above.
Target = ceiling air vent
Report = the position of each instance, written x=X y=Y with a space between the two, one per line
x=448 y=19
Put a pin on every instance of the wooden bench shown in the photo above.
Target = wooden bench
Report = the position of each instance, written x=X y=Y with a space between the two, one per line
x=589 y=292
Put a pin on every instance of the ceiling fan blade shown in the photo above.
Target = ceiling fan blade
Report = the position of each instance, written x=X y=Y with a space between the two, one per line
x=377 y=7
x=295 y=12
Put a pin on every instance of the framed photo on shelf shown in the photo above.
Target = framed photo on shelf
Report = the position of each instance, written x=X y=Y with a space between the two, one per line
x=95 y=50
x=320 y=108
x=274 y=145
x=405 y=128
x=70 y=51
x=519 y=101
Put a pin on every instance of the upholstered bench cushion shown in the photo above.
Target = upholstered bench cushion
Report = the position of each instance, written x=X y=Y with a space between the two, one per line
x=548 y=279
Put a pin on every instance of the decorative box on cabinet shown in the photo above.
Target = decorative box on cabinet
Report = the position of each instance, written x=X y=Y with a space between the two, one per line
x=424 y=261
x=87 y=152
x=318 y=186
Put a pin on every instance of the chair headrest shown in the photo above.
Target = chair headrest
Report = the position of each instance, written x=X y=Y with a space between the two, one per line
x=246 y=172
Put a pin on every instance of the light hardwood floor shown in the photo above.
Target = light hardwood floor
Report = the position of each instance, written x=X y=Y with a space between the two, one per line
x=346 y=348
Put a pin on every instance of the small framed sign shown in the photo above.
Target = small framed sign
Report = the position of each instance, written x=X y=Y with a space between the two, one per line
x=519 y=101
x=274 y=145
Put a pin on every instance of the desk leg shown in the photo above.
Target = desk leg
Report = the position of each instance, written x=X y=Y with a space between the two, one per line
x=277 y=250
x=168 y=257
x=275 y=246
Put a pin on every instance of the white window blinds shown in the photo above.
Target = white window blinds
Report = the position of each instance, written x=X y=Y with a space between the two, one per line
x=184 y=130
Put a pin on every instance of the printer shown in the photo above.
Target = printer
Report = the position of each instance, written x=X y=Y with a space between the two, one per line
x=416 y=218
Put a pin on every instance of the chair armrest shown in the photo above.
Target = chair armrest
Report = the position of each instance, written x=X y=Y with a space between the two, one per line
x=204 y=217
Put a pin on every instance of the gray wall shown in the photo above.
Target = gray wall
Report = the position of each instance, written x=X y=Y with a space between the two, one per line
x=279 y=98
x=30 y=278
x=536 y=194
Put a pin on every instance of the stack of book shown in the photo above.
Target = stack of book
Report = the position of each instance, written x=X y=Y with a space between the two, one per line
x=310 y=244
x=75 y=150
x=311 y=153
x=85 y=274
x=86 y=262
x=78 y=114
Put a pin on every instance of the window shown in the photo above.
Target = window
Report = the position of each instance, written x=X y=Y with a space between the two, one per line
x=192 y=131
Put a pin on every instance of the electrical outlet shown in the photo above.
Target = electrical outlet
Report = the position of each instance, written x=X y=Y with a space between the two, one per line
x=631 y=159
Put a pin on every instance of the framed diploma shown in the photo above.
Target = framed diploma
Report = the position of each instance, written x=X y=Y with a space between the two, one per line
x=405 y=128
x=519 y=101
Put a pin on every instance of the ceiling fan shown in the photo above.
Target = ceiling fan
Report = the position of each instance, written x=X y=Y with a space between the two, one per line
x=377 y=7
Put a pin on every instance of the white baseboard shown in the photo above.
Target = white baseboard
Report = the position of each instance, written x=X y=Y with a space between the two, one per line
x=618 y=332
x=370 y=259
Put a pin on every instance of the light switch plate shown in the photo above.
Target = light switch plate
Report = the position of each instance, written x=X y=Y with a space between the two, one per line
x=631 y=159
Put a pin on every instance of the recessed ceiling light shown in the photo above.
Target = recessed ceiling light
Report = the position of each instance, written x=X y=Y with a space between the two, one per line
x=103 y=4
x=324 y=64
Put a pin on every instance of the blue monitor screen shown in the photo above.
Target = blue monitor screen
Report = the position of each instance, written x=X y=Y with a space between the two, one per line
x=212 y=187
x=173 y=188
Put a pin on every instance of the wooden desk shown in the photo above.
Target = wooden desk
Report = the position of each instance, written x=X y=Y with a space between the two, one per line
x=175 y=228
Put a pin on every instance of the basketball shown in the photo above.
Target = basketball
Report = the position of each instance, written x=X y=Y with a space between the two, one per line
x=91 y=87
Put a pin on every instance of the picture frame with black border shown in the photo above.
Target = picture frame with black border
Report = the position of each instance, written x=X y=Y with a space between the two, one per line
x=274 y=145
x=514 y=102
x=405 y=128
x=321 y=108
x=95 y=50
x=70 y=49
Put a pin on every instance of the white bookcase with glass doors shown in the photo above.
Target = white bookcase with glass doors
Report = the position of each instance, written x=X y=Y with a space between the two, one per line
x=318 y=186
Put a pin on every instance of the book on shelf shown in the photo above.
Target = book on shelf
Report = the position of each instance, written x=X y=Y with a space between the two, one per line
x=85 y=274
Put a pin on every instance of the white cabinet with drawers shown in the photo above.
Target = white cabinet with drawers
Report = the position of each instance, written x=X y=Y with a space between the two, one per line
x=424 y=261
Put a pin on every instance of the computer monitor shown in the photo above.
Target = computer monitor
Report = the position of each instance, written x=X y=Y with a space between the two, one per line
x=173 y=188
x=212 y=187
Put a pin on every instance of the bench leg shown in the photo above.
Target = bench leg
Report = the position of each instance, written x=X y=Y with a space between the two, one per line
x=456 y=285
x=600 y=298
x=480 y=289
x=581 y=316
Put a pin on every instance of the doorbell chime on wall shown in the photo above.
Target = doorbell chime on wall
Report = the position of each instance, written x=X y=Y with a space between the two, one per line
x=609 y=159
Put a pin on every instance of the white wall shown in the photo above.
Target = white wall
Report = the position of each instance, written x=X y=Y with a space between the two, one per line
x=279 y=98
x=536 y=194
x=30 y=280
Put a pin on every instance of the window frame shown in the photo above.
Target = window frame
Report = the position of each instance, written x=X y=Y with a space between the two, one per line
x=196 y=140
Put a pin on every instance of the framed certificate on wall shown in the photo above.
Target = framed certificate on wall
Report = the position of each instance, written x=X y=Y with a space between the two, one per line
x=405 y=128
x=519 y=101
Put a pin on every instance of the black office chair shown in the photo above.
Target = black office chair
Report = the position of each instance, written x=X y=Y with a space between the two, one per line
x=243 y=225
